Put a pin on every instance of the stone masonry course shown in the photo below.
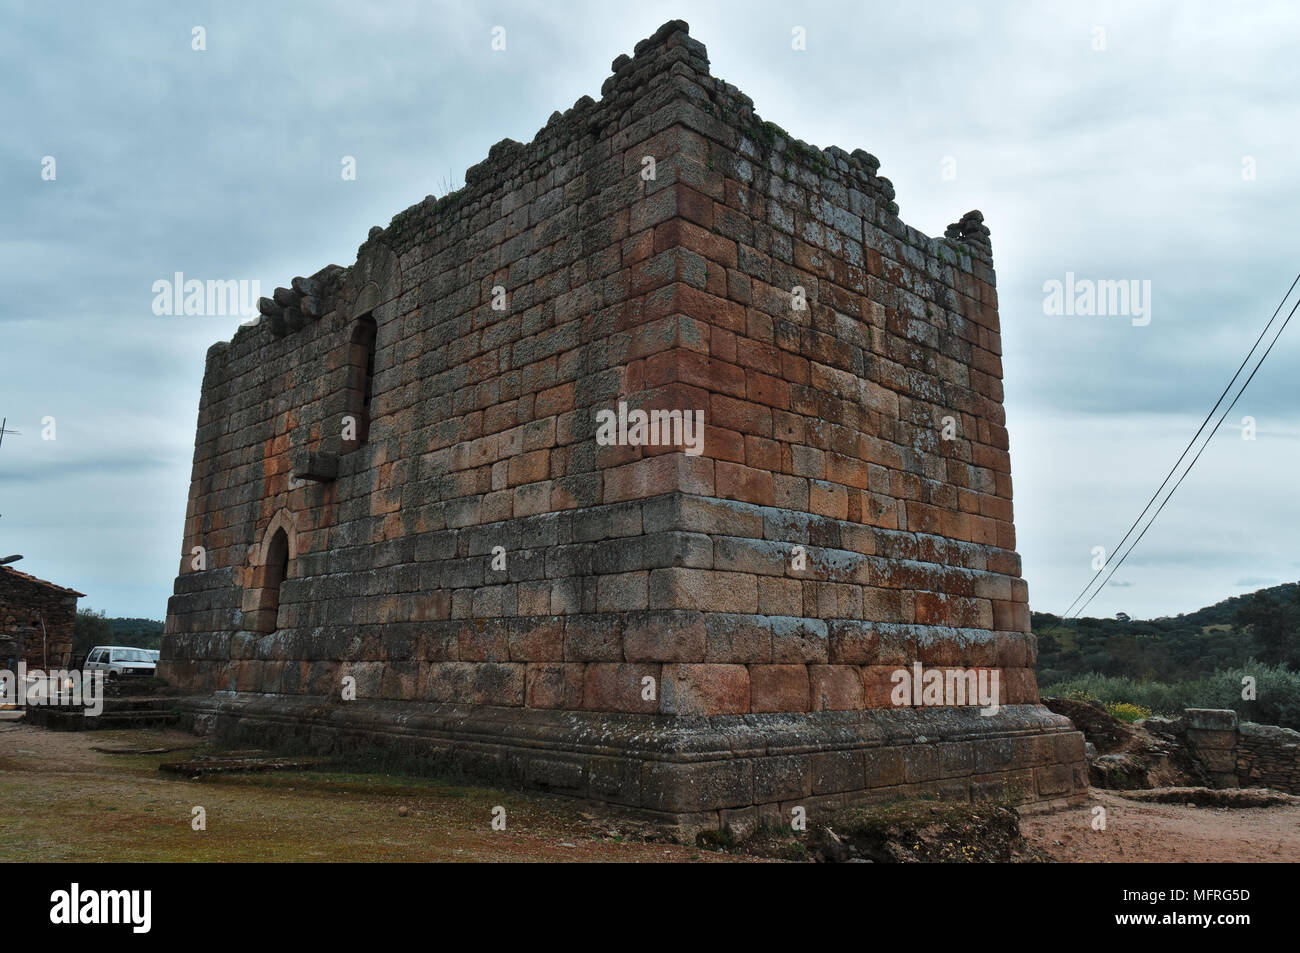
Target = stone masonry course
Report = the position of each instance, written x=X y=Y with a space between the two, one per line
x=398 y=485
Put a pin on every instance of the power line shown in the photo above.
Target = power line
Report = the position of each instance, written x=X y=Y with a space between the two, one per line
x=1191 y=442
x=4 y=429
x=1208 y=440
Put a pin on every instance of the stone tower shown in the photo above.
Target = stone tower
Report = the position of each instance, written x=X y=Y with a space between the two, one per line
x=399 y=488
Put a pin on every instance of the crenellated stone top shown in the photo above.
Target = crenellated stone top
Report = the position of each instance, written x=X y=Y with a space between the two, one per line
x=971 y=231
x=666 y=65
x=307 y=299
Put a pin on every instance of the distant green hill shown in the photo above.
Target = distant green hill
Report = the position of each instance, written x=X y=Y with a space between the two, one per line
x=1225 y=612
x=141 y=628
x=1263 y=625
x=94 y=628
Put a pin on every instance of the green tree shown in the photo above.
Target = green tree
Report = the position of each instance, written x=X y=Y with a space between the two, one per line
x=91 y=629
x=1274 y=625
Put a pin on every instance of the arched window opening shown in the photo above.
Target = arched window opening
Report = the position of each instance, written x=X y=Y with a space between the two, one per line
x=267 y=579
x=361 y=380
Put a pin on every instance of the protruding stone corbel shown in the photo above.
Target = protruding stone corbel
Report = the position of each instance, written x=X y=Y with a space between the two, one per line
x=318 y=466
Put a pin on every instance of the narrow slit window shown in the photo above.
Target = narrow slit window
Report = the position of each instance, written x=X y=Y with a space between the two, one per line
x=361 y=380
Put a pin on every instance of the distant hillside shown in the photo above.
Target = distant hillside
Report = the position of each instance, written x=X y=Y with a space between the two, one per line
x=94 y=628
x=1263 y=625
x=141 y=628
x=1225 y=612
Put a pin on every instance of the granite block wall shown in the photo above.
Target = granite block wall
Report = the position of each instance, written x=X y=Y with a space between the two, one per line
x=400 y=483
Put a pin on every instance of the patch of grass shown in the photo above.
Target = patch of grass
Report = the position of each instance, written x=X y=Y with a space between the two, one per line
x=775 y=843
x=60 y=801
x=923 y=830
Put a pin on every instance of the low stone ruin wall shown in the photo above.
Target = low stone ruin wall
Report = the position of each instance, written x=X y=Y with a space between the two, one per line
x=1268 y=756
x=1243 y=754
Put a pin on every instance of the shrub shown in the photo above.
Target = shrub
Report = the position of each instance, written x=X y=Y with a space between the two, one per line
x=1123 y=711
x=1276 y=702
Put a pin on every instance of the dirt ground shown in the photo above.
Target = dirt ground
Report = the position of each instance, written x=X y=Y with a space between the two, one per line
x=1139 y=832
x=62 y=801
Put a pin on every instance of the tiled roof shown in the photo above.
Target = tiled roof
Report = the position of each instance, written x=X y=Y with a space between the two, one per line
x=40 y=582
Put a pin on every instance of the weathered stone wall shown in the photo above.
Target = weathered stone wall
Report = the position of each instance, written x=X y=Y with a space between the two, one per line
x=824 y=430
x=1268 y=757
x=1244 y=754
x=1212 y=737
x=37 y=620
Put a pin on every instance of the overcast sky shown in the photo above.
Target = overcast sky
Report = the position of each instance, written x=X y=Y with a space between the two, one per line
x=1104 y=140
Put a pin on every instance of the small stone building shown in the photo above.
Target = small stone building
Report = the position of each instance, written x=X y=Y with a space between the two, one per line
x=400 y=491
x=37 y=619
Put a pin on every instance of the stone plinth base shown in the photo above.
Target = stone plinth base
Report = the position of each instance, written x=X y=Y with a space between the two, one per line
x=689 y=773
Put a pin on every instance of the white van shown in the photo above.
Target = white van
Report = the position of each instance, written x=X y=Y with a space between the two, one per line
x=120 y=661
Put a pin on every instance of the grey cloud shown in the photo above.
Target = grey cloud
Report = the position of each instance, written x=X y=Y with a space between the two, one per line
x=225 y=164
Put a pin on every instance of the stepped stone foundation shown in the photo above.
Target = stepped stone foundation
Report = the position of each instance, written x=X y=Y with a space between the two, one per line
x=400 y=491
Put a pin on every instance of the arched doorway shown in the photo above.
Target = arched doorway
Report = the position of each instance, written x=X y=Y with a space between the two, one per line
x=267 y=579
